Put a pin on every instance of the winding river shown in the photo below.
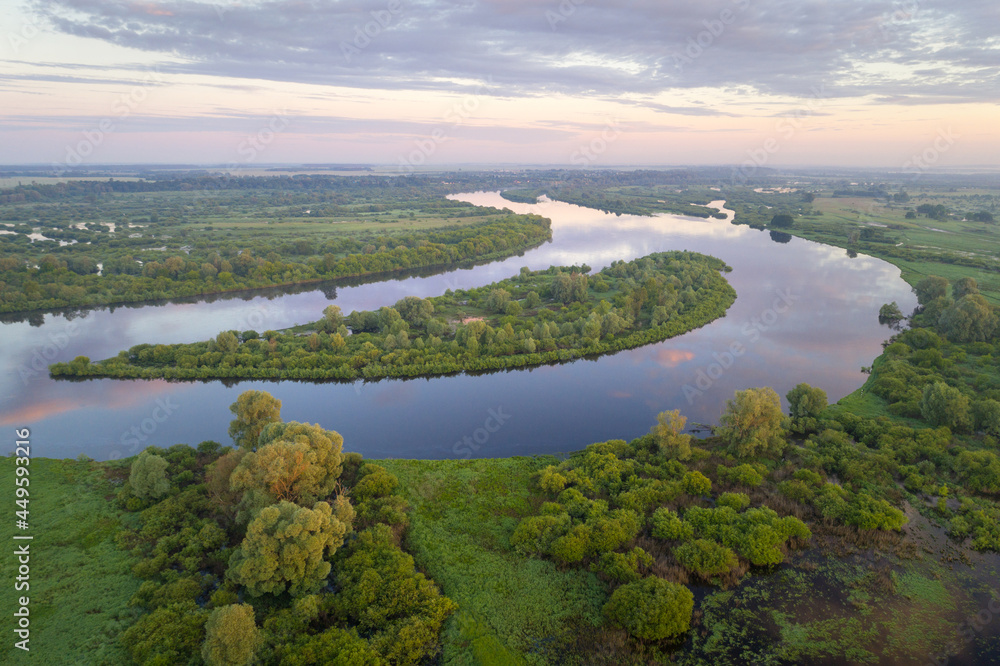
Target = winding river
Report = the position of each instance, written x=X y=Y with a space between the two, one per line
x=805 y=312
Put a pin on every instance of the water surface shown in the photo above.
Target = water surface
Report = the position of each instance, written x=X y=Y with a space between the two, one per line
x=804 y=312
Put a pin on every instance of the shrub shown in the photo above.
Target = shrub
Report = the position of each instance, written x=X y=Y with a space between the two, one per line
x=741 y=475
x=534 y=535
x=696 y=483
x=706 y=558
x=623 y=567
x=169 y=635
x=736 y=501
x=668 y=525
x=651 y=609
x=375 y=481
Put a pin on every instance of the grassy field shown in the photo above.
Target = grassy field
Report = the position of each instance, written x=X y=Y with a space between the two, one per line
x=80 y=583
x=838 y=216
x=512 y=609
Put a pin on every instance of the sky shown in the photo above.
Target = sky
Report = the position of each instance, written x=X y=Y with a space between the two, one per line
x=419 y=83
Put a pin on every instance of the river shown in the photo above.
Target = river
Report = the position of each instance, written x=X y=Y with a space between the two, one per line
x=805 y=312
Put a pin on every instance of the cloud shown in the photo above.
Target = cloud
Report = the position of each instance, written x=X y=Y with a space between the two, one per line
x=614 y=47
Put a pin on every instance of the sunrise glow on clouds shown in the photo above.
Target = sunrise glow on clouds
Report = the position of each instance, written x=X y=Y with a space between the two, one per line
x=843 y=82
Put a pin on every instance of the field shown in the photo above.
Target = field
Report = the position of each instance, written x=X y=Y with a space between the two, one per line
x=80 y=582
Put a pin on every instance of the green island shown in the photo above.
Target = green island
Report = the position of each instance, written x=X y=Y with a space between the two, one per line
x=861 y=532
x=536 y=317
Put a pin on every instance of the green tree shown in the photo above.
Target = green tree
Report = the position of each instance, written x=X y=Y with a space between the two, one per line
x=945 y=405
x=752 y=422
x=651 y=609
x=285 y=548
x=497 y=300
x=169 y=635
x=227 y=342
x=231 y=636
x=964 y=287
x=667 y=433
x=148 y=476
x=415 y=310
x=782 y=221
x=931 y=287
x=332 y=318
x=986 y=416
x=298 y=462
x=890 y=314
x=970 y=319
x=806 y=401
x=253 y=410
x=396 y=607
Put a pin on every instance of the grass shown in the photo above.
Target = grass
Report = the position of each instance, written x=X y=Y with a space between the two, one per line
x=513 y=609
x=841 y=215
x=80 y=583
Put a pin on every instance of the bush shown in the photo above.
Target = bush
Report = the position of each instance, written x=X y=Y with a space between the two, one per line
x=169 y=635
x=706 y=558
x=623 y=567
x=396 y=607
x=741 y=475
x=651 y=609
x=696 y=483
x=668 y=525
x=375 y=481
x=535 y=534
x=148 y=476
x=736 y=501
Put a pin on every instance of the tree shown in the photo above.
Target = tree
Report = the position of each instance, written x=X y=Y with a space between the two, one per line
x=148 y=476
x=227 y=342
x=231 y=636
x=497 y=300
x=806 y=401
x=890 y=314
x=971 y=319
x=651 y=609
x=945 y=405
x=667 y=433
x=395 y=606
x=253 y=410
x=415 y=310
x=931 y=287
x=169 y=635
x=986 y=416
x=285 y=548
x=332 y=318
x=297 y=462
x=782 y=221
x=752 y=422
x=963 y=287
